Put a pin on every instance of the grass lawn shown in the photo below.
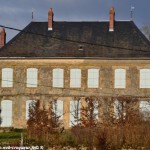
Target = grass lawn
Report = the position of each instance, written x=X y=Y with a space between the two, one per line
x=10 y=137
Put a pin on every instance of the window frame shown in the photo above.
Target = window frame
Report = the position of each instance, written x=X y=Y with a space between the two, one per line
x=75 y=79
x=120 y=81
x=28 y=83
x=93 y=78
x=60 y=78
x=7 y=116
x=73 y=104
x=7 y=80
x=141 y=84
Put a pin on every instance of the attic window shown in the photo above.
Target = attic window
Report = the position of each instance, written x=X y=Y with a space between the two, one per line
x=81 y=47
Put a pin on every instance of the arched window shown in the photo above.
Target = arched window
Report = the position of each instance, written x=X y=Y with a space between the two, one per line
x=58 y=108
x=7 y=77
x=32 y=77
x=144 y=78
x=93 y=78
x=74 y=112
x=75 y=78
x=120 y=78
x=58 y=78
x=28 y=102
x=6 y=113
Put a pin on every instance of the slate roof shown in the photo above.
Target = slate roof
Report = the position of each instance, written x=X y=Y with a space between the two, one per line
x=35 y=41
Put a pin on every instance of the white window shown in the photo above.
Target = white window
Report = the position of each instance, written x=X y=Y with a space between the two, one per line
x=145 y=78
x=28 y=103
x=6 y=113
x=32 y=77
x=145 y=109
x=7 y=77
x=74 y=112
x=93 y=78
x=96 y=108
x=75 y=78
x=120 y=78
x=119 y=109
x=58 y=109
x=58 y=78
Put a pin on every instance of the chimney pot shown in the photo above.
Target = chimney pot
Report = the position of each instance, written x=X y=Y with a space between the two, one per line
x=111 y=19
x=2 y=37
x=50 y=19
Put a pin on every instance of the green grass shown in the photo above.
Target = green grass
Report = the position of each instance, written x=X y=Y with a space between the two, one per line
x=11 y=137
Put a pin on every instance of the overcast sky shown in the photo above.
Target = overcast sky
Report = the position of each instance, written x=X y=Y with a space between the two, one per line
x=17 y=13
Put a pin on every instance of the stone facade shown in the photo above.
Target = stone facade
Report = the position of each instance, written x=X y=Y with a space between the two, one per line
x=19 y=93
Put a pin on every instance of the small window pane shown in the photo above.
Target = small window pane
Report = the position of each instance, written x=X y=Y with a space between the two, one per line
x=75 y=78
x=93 y=78
x=7 y=77
x=6 y=114
x=58 y=77
x=145 y=78
x=74 y=112
x=120 y=78
x=32 y=75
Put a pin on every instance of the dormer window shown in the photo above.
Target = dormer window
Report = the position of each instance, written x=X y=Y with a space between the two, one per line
x=81 y=47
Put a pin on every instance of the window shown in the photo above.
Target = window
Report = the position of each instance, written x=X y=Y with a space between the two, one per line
x=96 y=107
x=120 y=78
x=93 y=78
x=75 y=78
x=58 y=77
x=32 y=77
x=145 y=109
x=6 y=114
x=74 y=112
x=58 y=108
x=7 y=77
x=145 y=78
x=119 y=109
x=28 y=103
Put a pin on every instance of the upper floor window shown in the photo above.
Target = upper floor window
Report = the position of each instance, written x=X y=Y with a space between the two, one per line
x=93 y=78
x=58 y=78
x=58 y=109
x=145 y=78
x=6 y=114
x=32 y=77
x=120 y=78
x=75 y=78
x=7 y=77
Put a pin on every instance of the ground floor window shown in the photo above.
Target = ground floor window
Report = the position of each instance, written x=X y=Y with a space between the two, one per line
x=74 y=112
x=6 y=113
x=145 y=109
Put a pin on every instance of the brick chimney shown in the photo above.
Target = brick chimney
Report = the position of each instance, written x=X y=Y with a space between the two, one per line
x=2 y=37
x=50 y=19
x=111 y=19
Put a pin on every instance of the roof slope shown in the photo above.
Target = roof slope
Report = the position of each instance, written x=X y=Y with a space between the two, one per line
x=36 y=41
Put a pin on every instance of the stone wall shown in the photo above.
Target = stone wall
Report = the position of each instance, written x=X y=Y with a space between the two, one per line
x=19 y=93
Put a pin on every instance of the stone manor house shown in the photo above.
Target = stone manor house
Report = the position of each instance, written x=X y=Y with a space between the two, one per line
x=70 y=60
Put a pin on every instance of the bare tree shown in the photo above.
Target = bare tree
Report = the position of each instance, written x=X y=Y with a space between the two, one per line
x=42 y=123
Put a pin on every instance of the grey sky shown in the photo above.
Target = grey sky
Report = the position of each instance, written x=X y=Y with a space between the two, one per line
x=17 y=13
